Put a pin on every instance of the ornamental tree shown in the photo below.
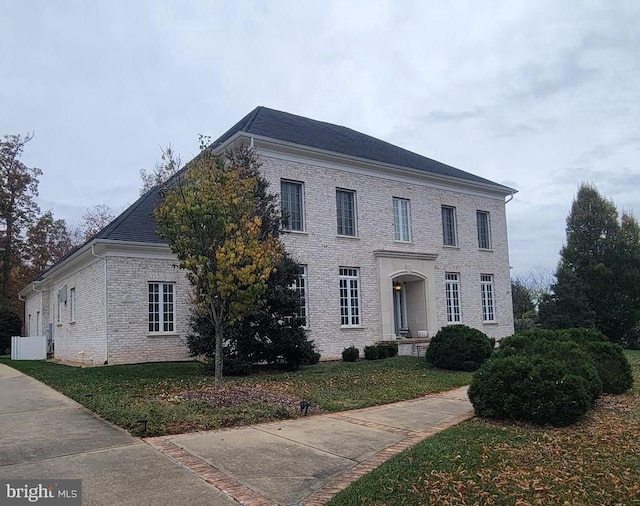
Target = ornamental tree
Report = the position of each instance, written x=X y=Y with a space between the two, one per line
x=211 y=216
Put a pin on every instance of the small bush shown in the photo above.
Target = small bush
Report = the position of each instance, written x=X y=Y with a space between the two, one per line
x=371 y=352
x=459 y=348
x=531 y=388
x=391 y=347
x=350 y=354
x=383 y=351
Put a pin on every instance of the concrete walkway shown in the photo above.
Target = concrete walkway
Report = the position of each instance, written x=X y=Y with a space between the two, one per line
x=43 y=434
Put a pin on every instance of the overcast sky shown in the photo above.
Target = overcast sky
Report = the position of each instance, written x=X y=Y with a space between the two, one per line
x=537 y=95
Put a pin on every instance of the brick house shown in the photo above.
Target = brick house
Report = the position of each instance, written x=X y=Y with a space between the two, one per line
x=391 y=245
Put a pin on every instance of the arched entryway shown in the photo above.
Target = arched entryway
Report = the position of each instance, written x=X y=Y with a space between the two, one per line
x=408 y=292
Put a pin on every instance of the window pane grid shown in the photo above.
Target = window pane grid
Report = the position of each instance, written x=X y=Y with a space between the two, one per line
x=449 y=226
x=345 y=208
x=291 y=201
x=300 y=286
x=349 y=296
x=484 y=236
x=161 y=307
x=488 y=303
x=402 y=219
x=452 y=293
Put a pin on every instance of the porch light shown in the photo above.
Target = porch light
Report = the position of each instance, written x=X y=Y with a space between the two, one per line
x=397 y=286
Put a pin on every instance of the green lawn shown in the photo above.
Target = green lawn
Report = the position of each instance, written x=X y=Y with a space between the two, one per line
x=158 y=392
x=596 y=461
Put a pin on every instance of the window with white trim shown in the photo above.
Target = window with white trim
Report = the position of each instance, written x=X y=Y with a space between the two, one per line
x=488 y=300
x=449 y=235
x=402 y=219
x=161 y=307
x=350 y=296
x=452 y=295
x=484 y=229
x=72 y=304
x=300 y=286
x=292 y=202
x=346 y=212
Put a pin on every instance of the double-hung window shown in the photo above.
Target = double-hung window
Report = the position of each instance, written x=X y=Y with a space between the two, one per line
x=484 y=229
x=349 y=296
x=402 y=219
x=300 y=287
x=346 y=212
x=449 y=236
x=452 y=295
x=161 y=307
x=488 y=300
x=292 y=201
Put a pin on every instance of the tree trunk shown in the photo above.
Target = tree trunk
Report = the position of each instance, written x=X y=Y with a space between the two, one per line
x=219 y=329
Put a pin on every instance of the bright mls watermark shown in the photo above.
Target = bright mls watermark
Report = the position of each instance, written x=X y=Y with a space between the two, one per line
x=49 y=492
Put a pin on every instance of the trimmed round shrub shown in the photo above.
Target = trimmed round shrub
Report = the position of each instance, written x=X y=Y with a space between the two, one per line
x=576 y=360
x=350 y=354
x=371 y=352
x=383 y=351
x=610 y=362
x=531 y=388
x=458 y=348
x=393 y=349
x=612 y=365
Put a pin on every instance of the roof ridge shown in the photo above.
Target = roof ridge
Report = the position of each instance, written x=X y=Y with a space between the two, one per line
x=252 y=117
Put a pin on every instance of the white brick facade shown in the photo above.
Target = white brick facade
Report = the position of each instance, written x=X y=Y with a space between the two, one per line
x=324 y=252
x=128 y=315
x=111 y=278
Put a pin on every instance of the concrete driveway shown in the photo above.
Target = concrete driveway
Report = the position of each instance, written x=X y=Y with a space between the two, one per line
x=43 y=434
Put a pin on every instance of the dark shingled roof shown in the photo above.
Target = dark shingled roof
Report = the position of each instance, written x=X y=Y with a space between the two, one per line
x=283 y=126
x=138 y=224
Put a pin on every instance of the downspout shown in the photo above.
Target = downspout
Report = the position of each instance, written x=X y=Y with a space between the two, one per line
x=106 y=312
x=509 y=199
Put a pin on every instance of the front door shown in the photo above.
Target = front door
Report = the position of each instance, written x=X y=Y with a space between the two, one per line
x=399 y=309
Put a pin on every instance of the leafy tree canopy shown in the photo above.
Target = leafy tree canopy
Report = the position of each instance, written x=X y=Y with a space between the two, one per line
x=211 y=217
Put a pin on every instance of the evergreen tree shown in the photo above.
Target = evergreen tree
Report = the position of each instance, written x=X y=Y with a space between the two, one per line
x=598 y=276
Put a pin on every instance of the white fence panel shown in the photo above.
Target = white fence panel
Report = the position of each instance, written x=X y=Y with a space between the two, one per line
x=29 y=348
